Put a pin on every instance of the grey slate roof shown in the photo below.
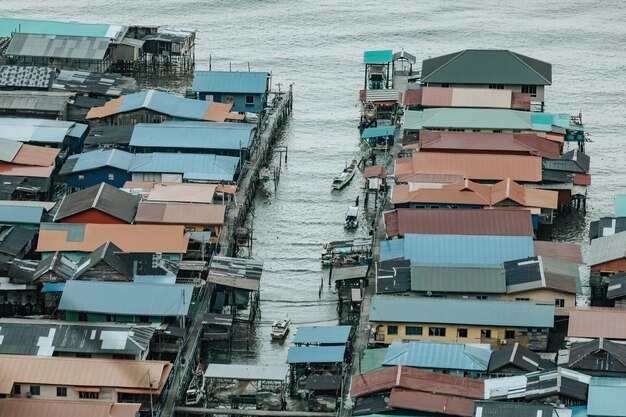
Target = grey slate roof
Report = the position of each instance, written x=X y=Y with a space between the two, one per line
x=572 y=161
x=500 y=409
x=458 y=280
x=393 y=276
x=606 y=226
x=104 y=198
x=107 y=253
x=57 y=46
x=523 y=274
x=557 y=381
x=598 y=355
x=607 y=248
x=14 y=239
x=109 y=135
x=551 y=175
x=111 y=85
x=40 y=101
x=617 y=286
x=43 y=338
x=518 y=356
x=486 y=66
x=57 y=265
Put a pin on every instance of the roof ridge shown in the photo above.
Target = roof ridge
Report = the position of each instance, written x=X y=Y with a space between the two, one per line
x=148 y=99
x=514 y=54
x=98 y=194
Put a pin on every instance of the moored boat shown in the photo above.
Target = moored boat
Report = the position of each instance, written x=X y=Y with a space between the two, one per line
x=345 y=176
x=280 y=328
x=352 y=217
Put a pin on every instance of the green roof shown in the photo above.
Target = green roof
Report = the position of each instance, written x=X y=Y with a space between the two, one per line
x=413 y=120
x=486 y=66
x=378 y=57
x=458 y=280
x=45 y=27
x=372 y=359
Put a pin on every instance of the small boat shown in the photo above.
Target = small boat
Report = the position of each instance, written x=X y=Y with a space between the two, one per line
x=265 y=174
x=346 y=175
x=280 y=328
x=352 y=217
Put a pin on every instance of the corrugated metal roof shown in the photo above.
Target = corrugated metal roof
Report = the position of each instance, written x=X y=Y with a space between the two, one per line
x=596 y=322
x=377 y=57
x=29 y=407
x=109 y=135
x=37 y=101
x=36 y=130
x=617 y=286
x=434 y=355
x=36 y=155
x=127 y=298
x=8 y=149
x=376 y=132
x=350 y=272
x=14 y=239
x=26 y=77
x=230 y=82
x=518 y=356
x=458 y=280
x=322 y=335
x=391 y=249
x=161 y=102
x=316 y=354
x=607 y=248
x=460 y=222
x=620 y=205
x=83 y=372
x=112 y=85
x=109 y=254
x=180 y=213
x=465 y=250
x=48 y=27
x=182 y=193
x=398 y=309
x=25 y=171
x=486 y=66
x=425 y=401
x=46 y=205
x=58 y=46
x=98 y=158
x=570 y=252
x=20 y=214
x=246 y=372
x=372 y=359
x=393 y=276
x=463 y=97
x=413 y=120
x=607 y=397
x=192 y=166
x=102 y=197
x=471 y=118
x=500 y=409
x=472 y=166
x=229 y=136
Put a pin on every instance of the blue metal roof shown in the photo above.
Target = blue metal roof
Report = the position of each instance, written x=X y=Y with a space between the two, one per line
x=20 y=214
x=126 y=298
x=316 y=354
x=77 y=131
x=38 y=130
x=53 y=287
x=45 y=27
x=322 y=335
x=100 y=158
x=229 y=136
x=434 y=355
x=230 y=82
x=192 y=166
x=397 y=309
x=376 y=132
x=391 y=249
x=466 y=250
x=579 y=411
x=607 y=397
x=378 y=57
x=620 y=205
x=165 y=103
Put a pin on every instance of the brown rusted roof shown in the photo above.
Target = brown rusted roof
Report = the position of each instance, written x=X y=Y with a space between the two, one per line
x=36 y=155
x=509 y=190
x=218 y=112
x=596 y=322
x=30 y=407
x=582 y=179
x=466 y=97
x=458 y=222
x=417 y=380
x=566 y=251
x=81 y=372
x=182 y=192
x=132 y=238
x=426 y=178
x=412 y=97
x=520 y=101
x=436 y=403
x=25 y=170
x=180 y=213
x=518 y=143
x=375 y=171
x=472 y=166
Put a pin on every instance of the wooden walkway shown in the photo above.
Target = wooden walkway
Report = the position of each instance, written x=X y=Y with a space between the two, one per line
x=243 y=412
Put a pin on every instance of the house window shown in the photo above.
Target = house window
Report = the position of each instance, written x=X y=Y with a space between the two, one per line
x=88 y=395
x=497 y=131
x=437 y=331
x=17 y=389
x=522 y=299
x=481 y=297
x=530 y=89
x=61 y=391
x=111 y=176
x=413 y=331
x=35 y=390
x=81 y=177
x=476 y=130
x=461 y=332
x=83 y=355
x=485 y=333
x=509 y=334
x=392 y=330
x=250 y=100
x=496 y=86
x=559 y=302
x=445 y=85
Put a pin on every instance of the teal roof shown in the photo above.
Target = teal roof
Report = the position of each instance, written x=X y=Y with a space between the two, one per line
x=322 y=335
x=607 y=397
x=372 y=359
x=620 y=205
x=46 y=27
x=378 y=57
x=434 y=355
x=316 y=354
x=486 y=66
x=230 y=82
x=377 y=132
x=20 y=214
x=469 y=118
x=391 y=249
x=403 y=309
x=458 y=280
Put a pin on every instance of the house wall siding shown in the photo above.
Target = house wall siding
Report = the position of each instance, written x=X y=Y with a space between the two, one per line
x=92 y=216
x=98 y=176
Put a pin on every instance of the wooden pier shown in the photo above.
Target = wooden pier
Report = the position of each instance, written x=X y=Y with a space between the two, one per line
x=269 y=127
x=192 y=411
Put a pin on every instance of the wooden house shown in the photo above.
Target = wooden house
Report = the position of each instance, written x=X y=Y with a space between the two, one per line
x=95 y=167
x=247 y=91
x=195 y=217
x=102 y=204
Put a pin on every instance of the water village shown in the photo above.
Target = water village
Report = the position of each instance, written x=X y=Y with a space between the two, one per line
x=126 y=250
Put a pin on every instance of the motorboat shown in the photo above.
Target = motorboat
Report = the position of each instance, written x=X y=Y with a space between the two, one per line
x=352 y=217
x=345 y=176
x=280 y=328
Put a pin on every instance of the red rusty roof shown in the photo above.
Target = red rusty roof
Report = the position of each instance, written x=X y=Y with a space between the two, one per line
x=458 y=222
x=375 y=171
x=424 y=401
x=596 y=322
x=564 y=251
x=582 y=179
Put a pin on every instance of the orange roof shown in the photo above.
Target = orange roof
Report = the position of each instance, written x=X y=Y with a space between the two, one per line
x=472 y=166
x=375 y=171
x=36 y=155
x=147 y=375
x=27 y=407
x=133 y=238
x=182 y=192
x=25 y=170
x=235 y=116
x=527 y=197
x=219 y=112
x=180 y=213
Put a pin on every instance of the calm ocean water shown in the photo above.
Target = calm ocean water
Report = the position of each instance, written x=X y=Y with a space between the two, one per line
x=318 y=46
